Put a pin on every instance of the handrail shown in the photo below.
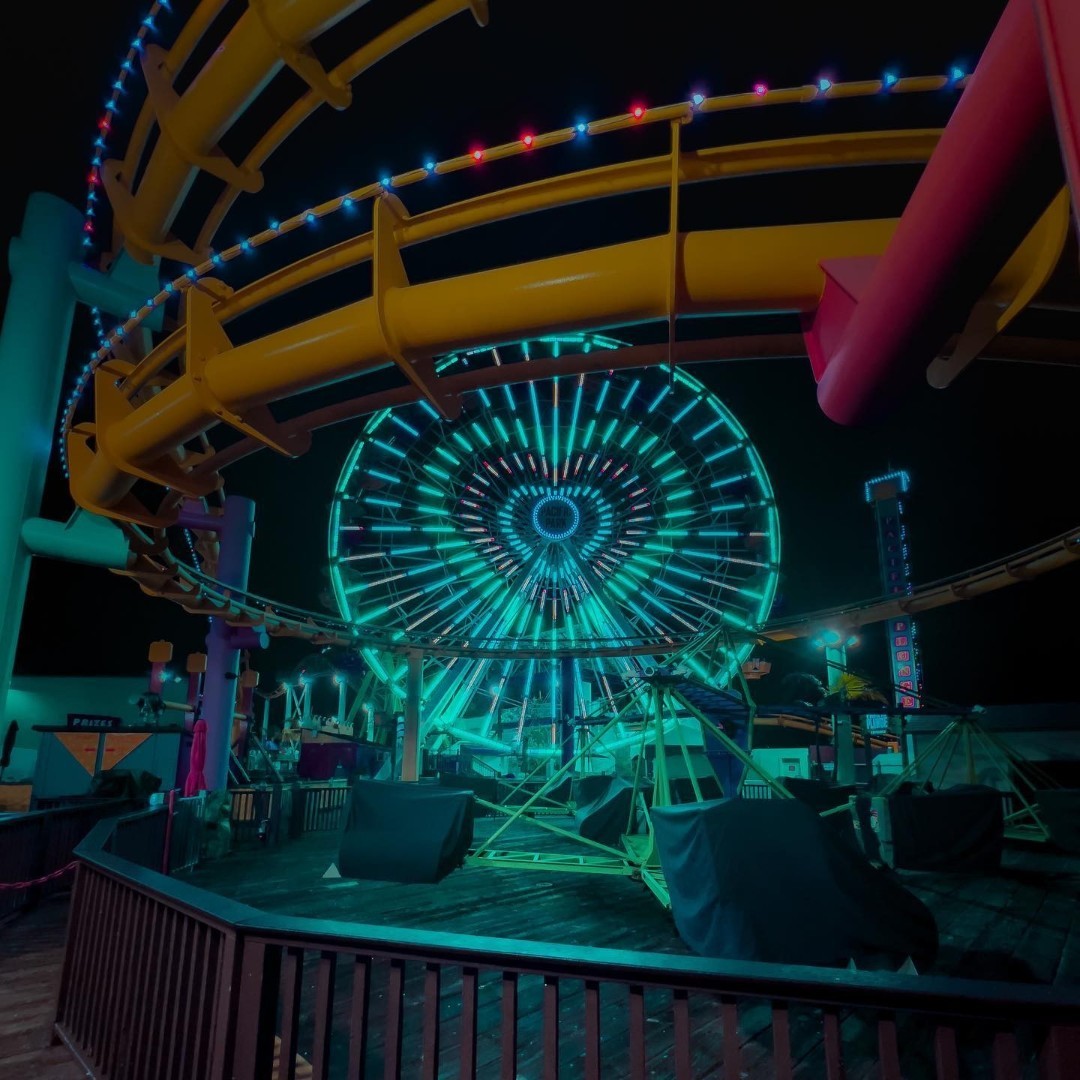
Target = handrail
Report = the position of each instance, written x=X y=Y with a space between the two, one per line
x=232 y=971
x=918 y=993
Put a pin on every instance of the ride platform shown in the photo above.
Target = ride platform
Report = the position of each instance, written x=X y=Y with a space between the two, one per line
x=1021 y=923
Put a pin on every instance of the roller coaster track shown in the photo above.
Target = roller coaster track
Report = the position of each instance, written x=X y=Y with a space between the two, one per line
x=156 y=403
x=164 y=576
x=149 y=409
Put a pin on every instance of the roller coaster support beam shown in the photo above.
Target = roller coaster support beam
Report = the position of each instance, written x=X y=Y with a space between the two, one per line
x=33 y=348
x=115 y=295
x=414 y=688
x=235 y=529
x=993 y=173
x=83 y=538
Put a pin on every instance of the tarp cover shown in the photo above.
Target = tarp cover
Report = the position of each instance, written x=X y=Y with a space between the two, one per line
x=769 y=880
x=405 y=831
x=961 y=828
x=1059 y=809
x=603 y=807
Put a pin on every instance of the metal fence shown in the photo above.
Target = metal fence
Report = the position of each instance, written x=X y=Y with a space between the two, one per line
x=164 y=979
x=277 y=812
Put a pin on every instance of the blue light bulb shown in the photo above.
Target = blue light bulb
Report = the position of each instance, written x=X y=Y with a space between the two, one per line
x=824 y=84
x=956 y=74
x=385 y=181
x=429 y=165
x=310 y=218
x=697 y=99
x=245 y=245
x=890 y=79
x=582 y=128
x=275 y=225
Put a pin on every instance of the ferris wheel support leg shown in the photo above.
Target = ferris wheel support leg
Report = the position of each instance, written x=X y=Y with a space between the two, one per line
x=34 y=342
x=414 y=684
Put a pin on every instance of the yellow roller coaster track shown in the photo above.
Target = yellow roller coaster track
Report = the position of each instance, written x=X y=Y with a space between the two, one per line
x=156 y=404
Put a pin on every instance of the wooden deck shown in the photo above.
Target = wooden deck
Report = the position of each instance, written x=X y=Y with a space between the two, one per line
x=1022 y=924
x=31 y=953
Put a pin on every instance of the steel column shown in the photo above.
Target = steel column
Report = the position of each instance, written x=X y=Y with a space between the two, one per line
x=236 y=529
x=994 y=171
x=34 y=342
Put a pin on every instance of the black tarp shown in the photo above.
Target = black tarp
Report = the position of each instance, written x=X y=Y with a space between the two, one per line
x=821 y=796
x=1059 y=809
x=405 y=832
x=603 y=807
x=961 y=829
x=769 y=880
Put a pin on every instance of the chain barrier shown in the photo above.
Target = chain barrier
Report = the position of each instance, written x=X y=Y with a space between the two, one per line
x=17 y=886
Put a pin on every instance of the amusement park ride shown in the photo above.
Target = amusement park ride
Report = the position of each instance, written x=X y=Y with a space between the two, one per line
x=537 y=508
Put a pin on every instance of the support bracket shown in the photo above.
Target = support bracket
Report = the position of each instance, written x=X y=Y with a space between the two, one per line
x=205 y=338
x=1021 y=279
x=163 y=100
x=303 y=61
x=674 y=276
x=111 y=406
x=124 y=215
x=388 y=274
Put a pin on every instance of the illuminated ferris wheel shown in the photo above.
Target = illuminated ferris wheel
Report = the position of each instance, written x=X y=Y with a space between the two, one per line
x=568 y=518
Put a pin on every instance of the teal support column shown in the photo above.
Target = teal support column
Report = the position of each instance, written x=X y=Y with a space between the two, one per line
x=34 y=342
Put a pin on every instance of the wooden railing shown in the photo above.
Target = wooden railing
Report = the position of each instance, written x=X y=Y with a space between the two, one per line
x=164 y=979
x=40 y=843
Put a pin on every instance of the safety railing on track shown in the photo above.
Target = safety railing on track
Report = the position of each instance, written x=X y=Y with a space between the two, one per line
x=201 y=985
x=200 y=593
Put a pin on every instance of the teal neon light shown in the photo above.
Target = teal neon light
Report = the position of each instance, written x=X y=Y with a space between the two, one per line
x=477 y=570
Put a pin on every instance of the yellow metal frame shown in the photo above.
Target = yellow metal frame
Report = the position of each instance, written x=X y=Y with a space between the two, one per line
x=153 y=413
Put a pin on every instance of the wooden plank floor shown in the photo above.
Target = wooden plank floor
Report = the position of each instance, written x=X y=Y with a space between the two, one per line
x=1020 y=924
x=31 y=953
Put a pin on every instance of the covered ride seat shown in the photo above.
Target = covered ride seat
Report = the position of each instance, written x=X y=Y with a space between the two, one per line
x=770 y=880
x=405 y=832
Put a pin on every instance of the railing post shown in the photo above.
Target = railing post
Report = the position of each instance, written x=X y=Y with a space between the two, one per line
x=226 y=996
x=1060 y=1055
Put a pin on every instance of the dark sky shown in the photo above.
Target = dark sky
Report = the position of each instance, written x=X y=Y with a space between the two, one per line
x=989 y=472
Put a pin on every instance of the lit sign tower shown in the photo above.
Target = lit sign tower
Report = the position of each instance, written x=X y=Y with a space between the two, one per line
x=885 y=494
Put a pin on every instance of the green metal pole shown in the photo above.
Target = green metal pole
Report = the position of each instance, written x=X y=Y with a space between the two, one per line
x=410 y=750
x=34 y=342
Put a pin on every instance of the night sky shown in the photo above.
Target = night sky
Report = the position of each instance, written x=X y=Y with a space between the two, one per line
x=989 y=465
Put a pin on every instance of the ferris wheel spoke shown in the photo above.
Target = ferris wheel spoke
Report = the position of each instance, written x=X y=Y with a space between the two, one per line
x=557 y=514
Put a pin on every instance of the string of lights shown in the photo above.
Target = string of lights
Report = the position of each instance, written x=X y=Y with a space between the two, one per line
x=637 y=114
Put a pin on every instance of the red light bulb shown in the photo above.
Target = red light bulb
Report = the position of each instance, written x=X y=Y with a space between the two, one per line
x=478 y=155
x=638 y=111
x=527 y=140
x=760 y=89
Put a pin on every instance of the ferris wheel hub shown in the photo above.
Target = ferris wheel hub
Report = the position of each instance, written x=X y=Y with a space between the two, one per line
x=555 y=517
